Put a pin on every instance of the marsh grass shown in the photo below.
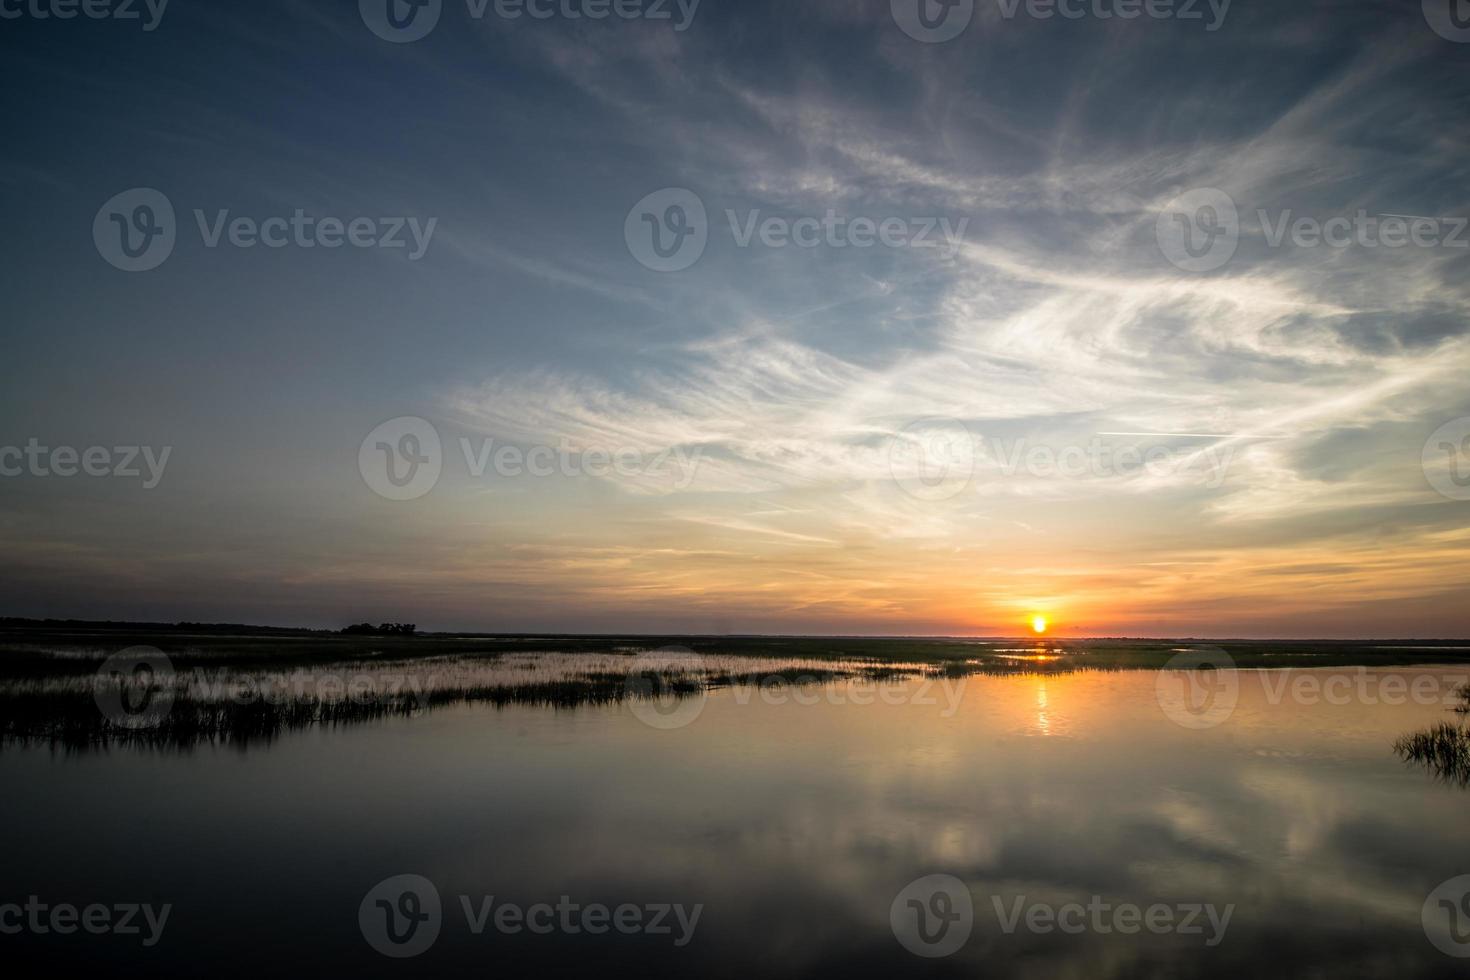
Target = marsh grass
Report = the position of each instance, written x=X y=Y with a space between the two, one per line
x=251 y=687
x=72 y=719
x=220 y=705
x=1464 y=706
x=1444 y=749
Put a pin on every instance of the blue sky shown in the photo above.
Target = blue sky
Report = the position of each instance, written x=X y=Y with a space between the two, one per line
x=1291 y=394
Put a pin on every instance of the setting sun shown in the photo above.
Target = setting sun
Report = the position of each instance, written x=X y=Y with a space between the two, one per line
x=1038 y=624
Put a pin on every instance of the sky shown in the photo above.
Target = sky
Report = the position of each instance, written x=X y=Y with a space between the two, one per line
x=739 y=317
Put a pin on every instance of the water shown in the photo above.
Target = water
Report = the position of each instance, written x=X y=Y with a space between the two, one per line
x=793 y=825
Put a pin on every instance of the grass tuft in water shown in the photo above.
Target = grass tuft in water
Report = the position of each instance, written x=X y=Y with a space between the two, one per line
x=1444 y=750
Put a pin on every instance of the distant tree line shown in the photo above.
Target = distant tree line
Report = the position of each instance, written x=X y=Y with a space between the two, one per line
x=382 y=629
x=121 y=626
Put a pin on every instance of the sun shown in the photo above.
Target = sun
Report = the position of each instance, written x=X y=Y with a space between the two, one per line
x=1038 y=624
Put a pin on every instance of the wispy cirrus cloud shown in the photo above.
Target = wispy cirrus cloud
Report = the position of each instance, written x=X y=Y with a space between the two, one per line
x=1291 y=388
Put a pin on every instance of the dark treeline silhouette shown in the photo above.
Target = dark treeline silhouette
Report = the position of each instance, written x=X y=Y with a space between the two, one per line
x=382 y=629
x=18 y=623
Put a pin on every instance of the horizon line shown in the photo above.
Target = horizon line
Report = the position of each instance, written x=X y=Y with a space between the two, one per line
x=17 y=621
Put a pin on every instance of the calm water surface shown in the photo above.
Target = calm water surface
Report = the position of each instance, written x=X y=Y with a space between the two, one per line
x=793 y=825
